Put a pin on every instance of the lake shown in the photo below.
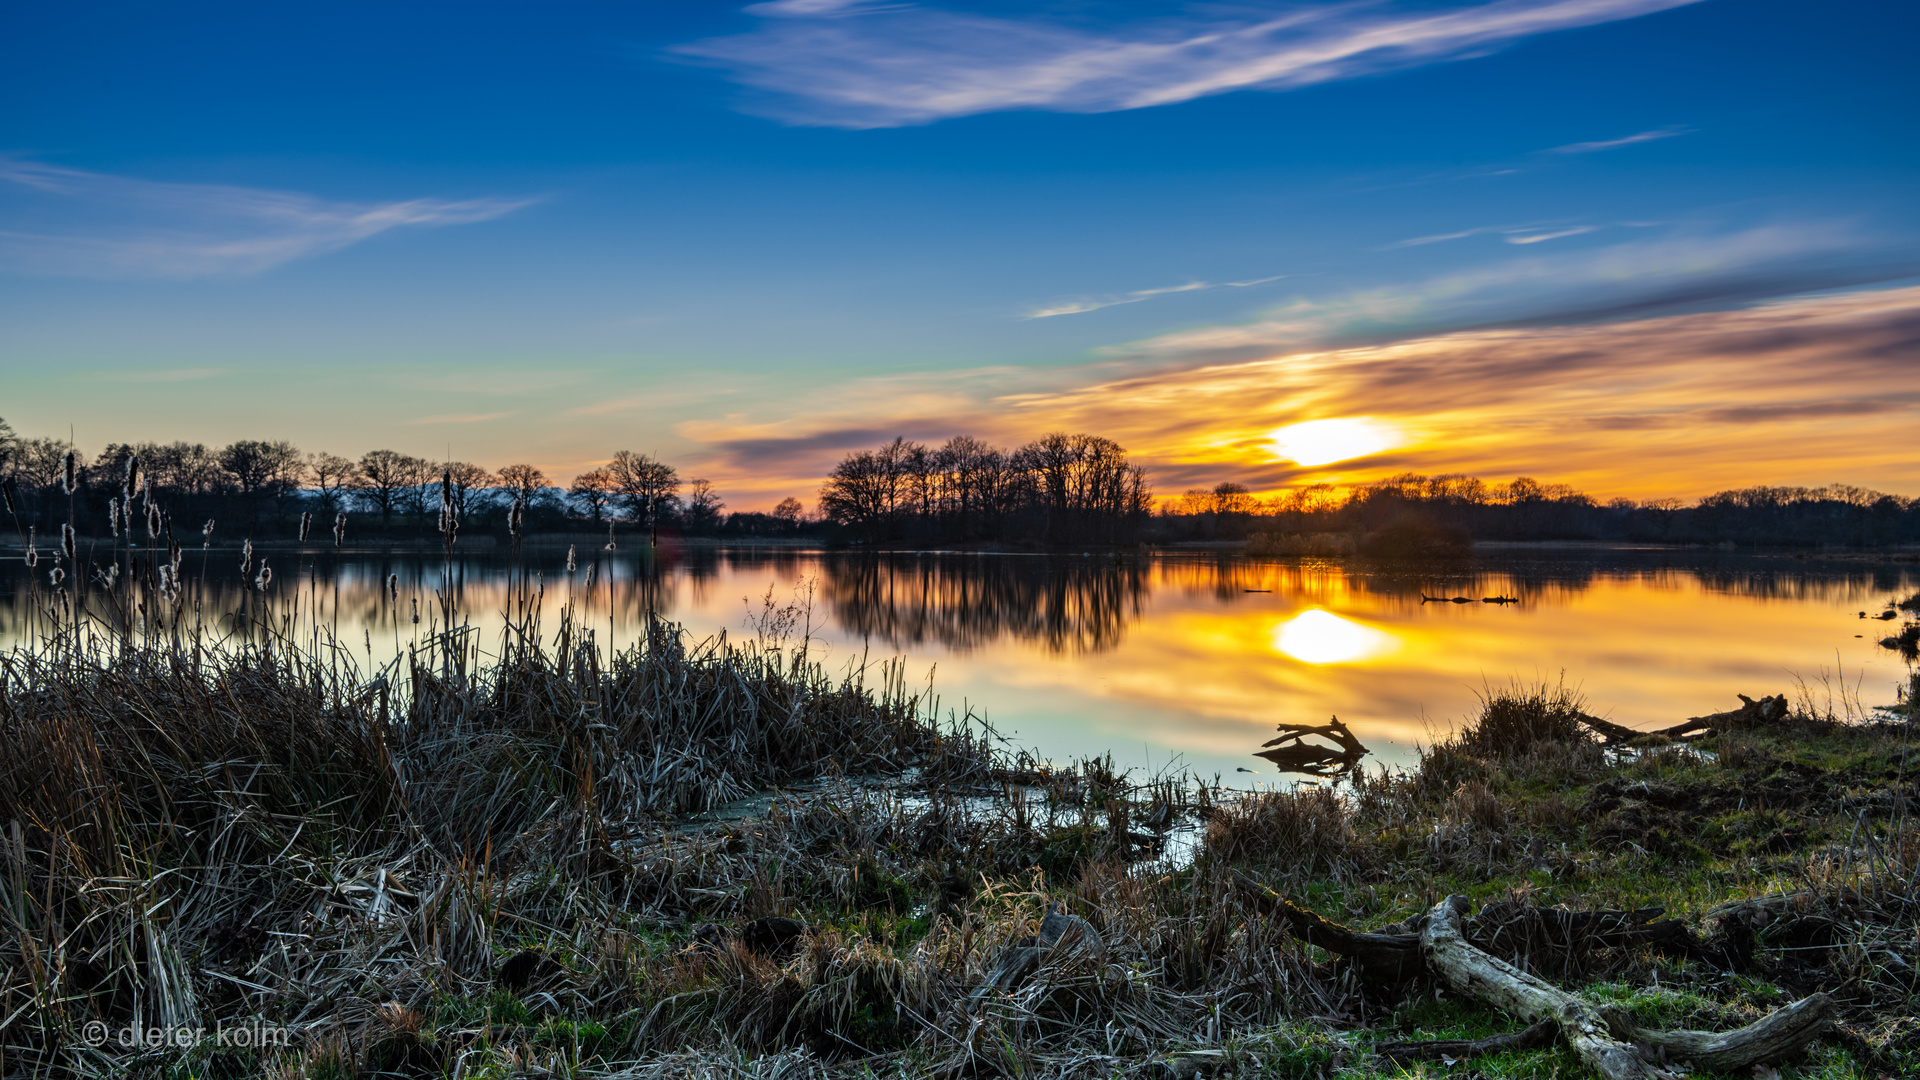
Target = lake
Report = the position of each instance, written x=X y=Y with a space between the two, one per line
x=1191 y=659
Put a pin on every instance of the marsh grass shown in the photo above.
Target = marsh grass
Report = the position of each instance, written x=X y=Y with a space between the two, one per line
x=521 y=858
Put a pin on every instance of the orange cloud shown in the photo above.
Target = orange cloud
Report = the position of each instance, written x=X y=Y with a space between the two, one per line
x=1802 y=391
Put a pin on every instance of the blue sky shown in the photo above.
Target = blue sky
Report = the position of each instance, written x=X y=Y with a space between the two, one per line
x=750 y=237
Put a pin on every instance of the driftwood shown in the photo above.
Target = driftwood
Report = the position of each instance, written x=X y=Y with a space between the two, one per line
x=1385 y=960
x=1438 y=942
x=1605 y=1039
x=1751 y=714
x=1293 y=753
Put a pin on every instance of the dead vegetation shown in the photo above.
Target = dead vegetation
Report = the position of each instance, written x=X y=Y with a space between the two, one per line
x=540 y=864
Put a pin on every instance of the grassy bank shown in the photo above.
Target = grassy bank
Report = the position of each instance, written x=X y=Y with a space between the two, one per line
x=510 y=866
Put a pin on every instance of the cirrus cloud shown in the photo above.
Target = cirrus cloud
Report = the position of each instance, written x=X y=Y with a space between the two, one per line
x=855 y=65
x=63 y=222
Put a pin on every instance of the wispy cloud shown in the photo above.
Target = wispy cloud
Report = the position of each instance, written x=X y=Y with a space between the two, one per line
x=1614 y=144
x=1552 y=234
x=1513 y=234
x=462 y=418
x=71 y=223
x=859 y=65
x=1080 y=307
x=1681 y=270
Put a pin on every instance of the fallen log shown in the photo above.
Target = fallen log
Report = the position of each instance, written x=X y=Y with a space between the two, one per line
x=1751 y=714
x=1605 y=1039
x=1385 y=960
x=1293 y=753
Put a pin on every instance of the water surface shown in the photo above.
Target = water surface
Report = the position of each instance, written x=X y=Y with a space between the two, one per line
x=1184 y=659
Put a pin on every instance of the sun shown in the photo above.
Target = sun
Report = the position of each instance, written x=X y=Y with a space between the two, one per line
x=1318 y=636
x=1323 y=442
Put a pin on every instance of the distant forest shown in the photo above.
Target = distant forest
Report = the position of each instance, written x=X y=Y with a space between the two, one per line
x=1061 y=490
x=1414 y=510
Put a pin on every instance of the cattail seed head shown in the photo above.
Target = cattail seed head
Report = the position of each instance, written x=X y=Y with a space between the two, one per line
x=55 y=575
x=246 y=557
x=393 y=587
x=569 y=558
x=6 y=492
x=306 y=525
x=113 y=515
x=69 y=474
x=265 y=578
x=416 y=609
x=110 y=575
x=154 y=522
x=131 y=486
x=67 y=541
x=340 y=529
x=33 y=554
x=514 y=514
x=206 y=531
x=174 y=555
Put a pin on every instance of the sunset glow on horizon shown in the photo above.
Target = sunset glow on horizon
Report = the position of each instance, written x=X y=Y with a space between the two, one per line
x=1324 y=442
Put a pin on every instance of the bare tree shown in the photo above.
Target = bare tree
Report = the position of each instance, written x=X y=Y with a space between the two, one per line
x=332 y=477
x=523 y=481
x=703 y=507
x=260 y=468
x=383 y=476
x=469 y=483
x=789 y=511
x=648 y=486
x=593 y=489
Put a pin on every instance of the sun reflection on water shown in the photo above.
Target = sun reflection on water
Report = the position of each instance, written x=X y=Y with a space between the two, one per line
x=1318 y=636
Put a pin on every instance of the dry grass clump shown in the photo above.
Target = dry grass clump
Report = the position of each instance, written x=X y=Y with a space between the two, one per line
x=1522 y=717
x=1308 y=830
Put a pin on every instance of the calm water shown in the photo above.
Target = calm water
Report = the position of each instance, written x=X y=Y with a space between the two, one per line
x=1193 y=659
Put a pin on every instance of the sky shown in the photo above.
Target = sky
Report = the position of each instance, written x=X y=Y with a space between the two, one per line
x=1652 y=248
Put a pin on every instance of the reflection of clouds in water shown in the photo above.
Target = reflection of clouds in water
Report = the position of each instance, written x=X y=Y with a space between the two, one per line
x=1317 y=636
x=1087 y=655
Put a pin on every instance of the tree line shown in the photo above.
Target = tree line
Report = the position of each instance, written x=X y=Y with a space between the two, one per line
x=1527 y=509
x=1059 y=489
x=265 y=488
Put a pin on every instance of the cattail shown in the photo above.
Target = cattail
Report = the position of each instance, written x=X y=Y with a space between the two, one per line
x=113 y=515
x=55 y=575
x=609 y=536
x=69 y=474
x=340 y=529
x=110 y=575
x=174 y=555
x=591 y=567
x=154 y=521
x=131 y=486
x=206 y=534
x=6 y=492
x=33 y=555
x=416 y=609
x=569 y=558
x=513 y=515
x=265 y=578
x=393 y=587
x=246 y=557
x=67 y=541
x=306 y=525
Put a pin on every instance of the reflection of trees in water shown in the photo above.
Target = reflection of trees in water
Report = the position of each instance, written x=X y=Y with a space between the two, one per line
x=1063 y=604
x=1543 y=580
